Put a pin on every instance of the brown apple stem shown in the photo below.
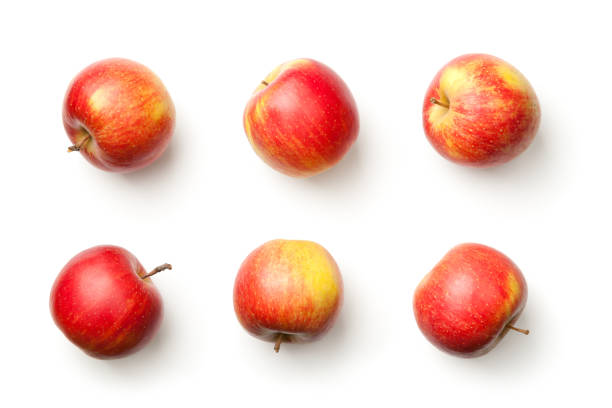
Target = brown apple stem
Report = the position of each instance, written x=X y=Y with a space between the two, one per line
x=517 y=329
x=279 y=340
x=437 y=102
x=76 y=147
x=157 y=270
x=265 y=83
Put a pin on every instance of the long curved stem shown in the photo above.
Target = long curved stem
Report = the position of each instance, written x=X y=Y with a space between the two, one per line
x=157 y=270
x=517 y=329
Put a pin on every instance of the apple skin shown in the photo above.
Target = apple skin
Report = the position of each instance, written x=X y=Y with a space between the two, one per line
x=119 y=115
x=103 y=305
x=493 y=113
x=289 y=291
x=466 y=303
x=302 y=118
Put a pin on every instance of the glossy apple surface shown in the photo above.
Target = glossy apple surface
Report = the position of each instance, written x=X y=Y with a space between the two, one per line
x=480 y=111
x=104 y=301
x=288 y=291
x=302 y=118
x=469 y=300
x=118 y=114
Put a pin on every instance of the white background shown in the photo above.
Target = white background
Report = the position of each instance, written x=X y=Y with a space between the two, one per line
x=387 y=212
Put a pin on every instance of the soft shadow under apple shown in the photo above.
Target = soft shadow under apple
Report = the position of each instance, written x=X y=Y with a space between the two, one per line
x=516 y=353
x=334 y=350
x=538 y=170
x=345 y=173
x=159 y=169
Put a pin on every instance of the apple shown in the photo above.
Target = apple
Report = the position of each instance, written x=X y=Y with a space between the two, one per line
x=104 y=301
x=469 y=300
x=288 y=291
x=480 y=111
x=118 y=114
x=302 y=118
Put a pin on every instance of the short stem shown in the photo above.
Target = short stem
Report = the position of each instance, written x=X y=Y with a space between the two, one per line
x=437 y=102
x=76 y=147
x=157 y=270
x=265 y=83
x=517 y=329
x=279 y=340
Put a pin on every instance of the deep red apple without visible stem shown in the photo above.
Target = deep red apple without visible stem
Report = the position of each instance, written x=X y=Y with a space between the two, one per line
x=104 y=301
x=288 y=291
x=469 y=300
x=118 y=114
x=302 y=118
x=480 y=111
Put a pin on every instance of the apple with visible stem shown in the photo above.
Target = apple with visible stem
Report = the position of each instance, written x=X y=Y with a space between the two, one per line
x=469 y=300
x=302 y=119
x=119 y=115
x=104 y=301
x=480 y=111
x=288 y=291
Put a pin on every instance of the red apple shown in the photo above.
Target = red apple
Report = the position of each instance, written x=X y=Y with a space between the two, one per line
x=480 y=111
x=469 y=300
x=302 y=118
x=288 y=291
x=105 y=302
x=118 y=114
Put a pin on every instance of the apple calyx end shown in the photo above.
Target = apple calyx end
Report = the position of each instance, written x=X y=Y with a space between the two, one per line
x=437 y=102
x=157 y=270
x=523 y=331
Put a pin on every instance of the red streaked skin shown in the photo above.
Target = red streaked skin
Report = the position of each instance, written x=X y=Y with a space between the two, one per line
x=302 y=119
x=102 y=304
x=119 y=115
x=289 y=291
x=493 y=113
x=465 y=305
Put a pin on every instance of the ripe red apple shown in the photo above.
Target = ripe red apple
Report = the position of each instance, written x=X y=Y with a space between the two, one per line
x=302 y=118
x=480 y=111
x=118 y=114
x=105 y=302
x=469 y=300
x=288 y=291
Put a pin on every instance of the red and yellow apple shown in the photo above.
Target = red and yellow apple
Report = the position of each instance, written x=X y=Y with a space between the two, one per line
x=104 y=301
x=469 y=300
x=480 y=111
x=302 y=118
x=118 y=114
x=288 y=291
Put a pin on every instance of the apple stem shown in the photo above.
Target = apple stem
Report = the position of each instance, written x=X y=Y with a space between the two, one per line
x=265 y=83
x=157 y=270
x=279 y=340
x=517 y=329
x=437 y=102
x=77 y=146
